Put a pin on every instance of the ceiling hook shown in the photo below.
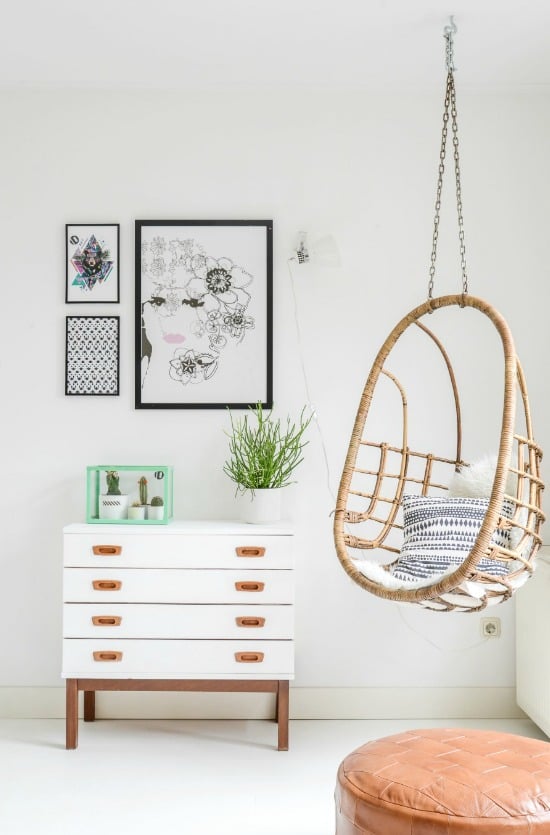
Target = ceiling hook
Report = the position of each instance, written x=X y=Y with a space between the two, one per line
x=451 y=27
x=448 y=32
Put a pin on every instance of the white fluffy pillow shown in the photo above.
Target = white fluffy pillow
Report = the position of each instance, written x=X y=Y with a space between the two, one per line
x=476 y=481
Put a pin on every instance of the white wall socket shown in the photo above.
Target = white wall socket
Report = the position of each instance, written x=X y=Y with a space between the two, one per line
x=490 y=627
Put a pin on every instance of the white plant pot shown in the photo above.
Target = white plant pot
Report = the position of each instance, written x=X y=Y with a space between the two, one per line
x=260 y=506
x=155 y=512
x=113 y=507
x=136 y=512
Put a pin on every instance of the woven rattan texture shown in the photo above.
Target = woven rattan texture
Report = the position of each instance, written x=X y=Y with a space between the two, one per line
x=447 y=781
x=466 y=589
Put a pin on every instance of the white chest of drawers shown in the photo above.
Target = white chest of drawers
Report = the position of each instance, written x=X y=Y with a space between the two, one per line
x=186 y=606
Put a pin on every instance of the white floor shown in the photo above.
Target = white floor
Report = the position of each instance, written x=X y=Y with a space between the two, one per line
x=186 y=777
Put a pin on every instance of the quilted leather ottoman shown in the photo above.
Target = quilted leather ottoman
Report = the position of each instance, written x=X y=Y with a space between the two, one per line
x=445 y=781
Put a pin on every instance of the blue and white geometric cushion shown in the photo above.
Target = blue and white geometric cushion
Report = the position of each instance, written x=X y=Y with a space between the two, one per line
x=439 y=532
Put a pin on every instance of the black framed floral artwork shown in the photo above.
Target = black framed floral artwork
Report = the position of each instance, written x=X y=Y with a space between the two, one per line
x=92 y=262
x=203 y=313
x=92 y=350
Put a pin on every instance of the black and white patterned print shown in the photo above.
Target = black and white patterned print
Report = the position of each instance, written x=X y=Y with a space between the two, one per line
x=92 y=355
x=439 y=532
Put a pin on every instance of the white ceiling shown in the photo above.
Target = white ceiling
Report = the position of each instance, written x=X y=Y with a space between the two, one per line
x=255 y=43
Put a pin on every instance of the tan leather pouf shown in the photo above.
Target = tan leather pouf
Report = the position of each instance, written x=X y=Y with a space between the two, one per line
x=445 y=781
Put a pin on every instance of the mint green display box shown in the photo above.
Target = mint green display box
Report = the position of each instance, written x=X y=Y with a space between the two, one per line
x=129 y=495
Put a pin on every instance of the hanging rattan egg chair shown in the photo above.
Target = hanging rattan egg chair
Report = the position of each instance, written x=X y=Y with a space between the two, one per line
x=472 y=585
x=467 y=588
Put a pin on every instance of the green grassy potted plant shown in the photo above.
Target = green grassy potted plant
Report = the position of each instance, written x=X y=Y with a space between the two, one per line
x=263 y=455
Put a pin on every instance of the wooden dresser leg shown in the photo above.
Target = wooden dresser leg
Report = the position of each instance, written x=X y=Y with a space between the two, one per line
x=282 y=715
x=89 y=705
x=71 y=713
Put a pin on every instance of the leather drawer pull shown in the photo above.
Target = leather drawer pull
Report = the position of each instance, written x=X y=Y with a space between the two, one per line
x=107 y=550
x=249 y=586
x=107 y=585
x=250 y=622
x=106 y=620
x=102 y=655
x=249 y=657
x=249 y=551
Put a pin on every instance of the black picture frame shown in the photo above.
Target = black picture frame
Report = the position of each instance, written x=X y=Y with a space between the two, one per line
x=203 y=314
x=92 y=356
x=91 y=283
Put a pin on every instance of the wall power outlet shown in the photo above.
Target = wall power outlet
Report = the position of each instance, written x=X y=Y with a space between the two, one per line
x=490 y=627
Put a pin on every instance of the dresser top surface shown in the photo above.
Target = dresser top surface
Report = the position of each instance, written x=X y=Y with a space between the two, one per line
x=189 y=527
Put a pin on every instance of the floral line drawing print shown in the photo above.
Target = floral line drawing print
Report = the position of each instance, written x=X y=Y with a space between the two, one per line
x=189 y=367
x=203 y=313
x=216 y=290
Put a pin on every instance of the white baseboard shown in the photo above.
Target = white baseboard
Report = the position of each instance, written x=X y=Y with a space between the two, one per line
x=305 y=703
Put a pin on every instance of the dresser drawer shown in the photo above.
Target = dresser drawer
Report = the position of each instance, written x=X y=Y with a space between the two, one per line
x=142 y=620
x=82 y=658
x=142 y=585
x=106 y=550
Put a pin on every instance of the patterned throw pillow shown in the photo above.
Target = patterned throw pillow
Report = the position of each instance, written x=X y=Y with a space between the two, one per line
x=439 y=532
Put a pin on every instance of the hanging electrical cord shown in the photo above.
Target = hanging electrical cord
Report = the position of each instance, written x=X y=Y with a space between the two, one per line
x=306 y=383
x=444 y=649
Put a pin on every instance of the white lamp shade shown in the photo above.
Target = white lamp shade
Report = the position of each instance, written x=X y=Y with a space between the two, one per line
x=322 y=253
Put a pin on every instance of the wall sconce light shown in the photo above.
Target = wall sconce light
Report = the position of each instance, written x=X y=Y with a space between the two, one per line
x=322 y=253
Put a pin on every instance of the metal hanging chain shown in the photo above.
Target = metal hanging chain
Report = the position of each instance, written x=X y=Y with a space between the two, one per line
x=450 y=106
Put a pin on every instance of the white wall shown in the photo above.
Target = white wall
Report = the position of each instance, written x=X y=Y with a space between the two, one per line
x=360 y=167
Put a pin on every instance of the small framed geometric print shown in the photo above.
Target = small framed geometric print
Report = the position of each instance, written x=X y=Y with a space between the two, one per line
x=92 y=262
x=204 y=314
x=92 y=355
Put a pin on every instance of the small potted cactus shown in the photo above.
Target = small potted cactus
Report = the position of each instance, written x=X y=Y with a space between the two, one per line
x=136 y=511
x=142 y=483
x=113 y=504
x=156 y=508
